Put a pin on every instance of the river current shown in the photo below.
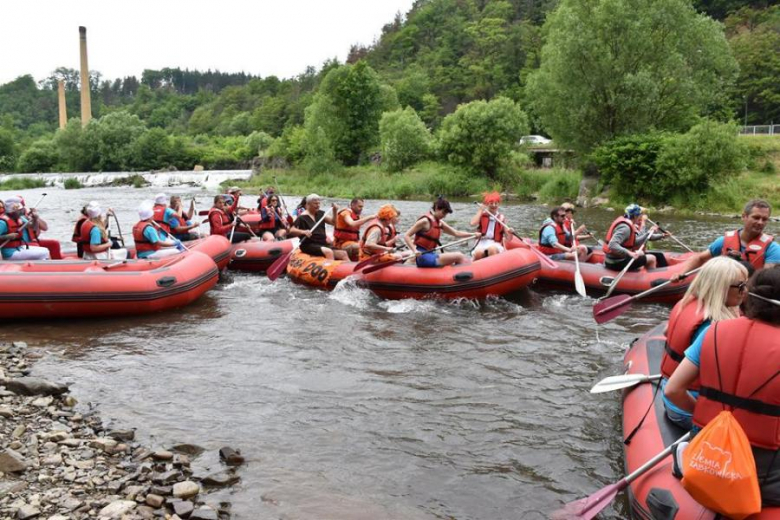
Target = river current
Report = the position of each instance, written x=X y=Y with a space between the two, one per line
x=350 y=407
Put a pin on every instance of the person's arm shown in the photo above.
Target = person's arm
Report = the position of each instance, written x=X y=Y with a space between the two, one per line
x=217 y=227
x=331 y=219
x=371 y=241
x=96 y=241
x=420 y=225
x=620 y=235
x=694 y=262
x=38 y=223
x=299 y=228
x=359 y=222
x=551 y=239
x=454 y=232
x=676 y=389
x=475 y=219
x=4 y=234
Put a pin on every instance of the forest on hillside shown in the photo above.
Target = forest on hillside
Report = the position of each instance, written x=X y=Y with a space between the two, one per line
x=453 y=81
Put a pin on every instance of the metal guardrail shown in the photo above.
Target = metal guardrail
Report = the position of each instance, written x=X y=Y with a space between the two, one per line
x=760 y=130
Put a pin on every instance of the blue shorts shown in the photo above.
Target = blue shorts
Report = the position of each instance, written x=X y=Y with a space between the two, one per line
x=557 y=256
x=428 y=259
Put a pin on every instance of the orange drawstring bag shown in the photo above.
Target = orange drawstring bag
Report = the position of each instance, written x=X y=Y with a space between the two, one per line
x=719 y=470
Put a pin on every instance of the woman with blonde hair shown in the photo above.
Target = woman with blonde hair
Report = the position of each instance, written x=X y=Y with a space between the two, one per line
x=181 y=222
x=96 y=243
x=714 y=295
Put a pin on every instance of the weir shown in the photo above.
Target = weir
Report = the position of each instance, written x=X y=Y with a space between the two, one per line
x=209 y=179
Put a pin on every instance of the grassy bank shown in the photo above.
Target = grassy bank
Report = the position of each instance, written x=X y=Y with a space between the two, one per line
x=422 y=182
x=21 y=184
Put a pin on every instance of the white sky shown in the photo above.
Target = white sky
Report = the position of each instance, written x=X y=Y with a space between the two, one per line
x=264 y=37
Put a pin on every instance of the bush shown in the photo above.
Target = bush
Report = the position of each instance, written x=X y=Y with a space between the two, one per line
x=405 y=139
x=258 y=142
x=319 y=153
x=8 y=151
x=455 y=183
x=72 y=184
x=479 y=136
x=40 y=157
x=290 y=146
x=24 y=183
x=628 y=164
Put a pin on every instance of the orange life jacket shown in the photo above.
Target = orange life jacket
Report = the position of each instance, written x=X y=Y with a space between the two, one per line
x=560 y=234
x=629 y=244
x=142 y=244
x=429 y=239
x=740 y=371
x=755 y=252
x=498 y=229
x=684 y=321
x=342 y=232
x=386 y=234
x=86 y=229
x=159 y=217
x=14 y=226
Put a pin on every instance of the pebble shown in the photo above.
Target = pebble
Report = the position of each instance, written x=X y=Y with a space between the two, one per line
x=154 y=500
x=230 y=456
x=204 y=513
x=27 y=511
x=117 y=509
x=185 y=489
x=12 y=462
x=162 y=455
x=221 y=479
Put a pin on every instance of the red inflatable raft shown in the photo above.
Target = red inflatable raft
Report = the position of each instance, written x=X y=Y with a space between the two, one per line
x=258 y=255
x=657 y=494
x=89 y=288
x=597 y=277
x=493 y=276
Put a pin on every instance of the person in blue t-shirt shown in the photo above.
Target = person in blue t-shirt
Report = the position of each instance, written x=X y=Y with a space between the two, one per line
x=15 y=237
x=149 y=243
x=749 y=243
x=180 y=221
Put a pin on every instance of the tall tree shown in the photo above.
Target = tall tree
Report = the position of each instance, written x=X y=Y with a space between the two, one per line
x=615 y=67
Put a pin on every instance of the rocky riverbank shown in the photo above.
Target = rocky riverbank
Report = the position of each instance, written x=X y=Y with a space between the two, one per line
x=58 y=462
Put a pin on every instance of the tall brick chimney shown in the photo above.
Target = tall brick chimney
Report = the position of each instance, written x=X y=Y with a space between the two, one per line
x=86 y=103
x=63 y=107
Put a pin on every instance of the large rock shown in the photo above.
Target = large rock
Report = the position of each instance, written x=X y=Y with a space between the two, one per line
x=182 y=508
x=117 y=509
x=27 y=511
x=230 y=456
x=204 y=513
x=188 y=449
x=185 y=489
x=12 y=462
x=33 y=386
x=221 y=479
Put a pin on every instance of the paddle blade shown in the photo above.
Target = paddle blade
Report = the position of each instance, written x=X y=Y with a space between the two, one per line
x=611 y=308
x=370 y=260
x=579 y=285
x=609 y=384
x=279 y=266
x=587 y=508
x=377 y=267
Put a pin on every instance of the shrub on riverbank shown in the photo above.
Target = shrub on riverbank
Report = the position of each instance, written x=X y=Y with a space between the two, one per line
x=21 y=184
x=72 y=183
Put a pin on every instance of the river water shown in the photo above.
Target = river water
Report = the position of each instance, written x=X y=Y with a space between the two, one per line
x=350 y=407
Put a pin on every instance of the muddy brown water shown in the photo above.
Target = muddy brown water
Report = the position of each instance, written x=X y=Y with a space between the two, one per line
x=347 y=406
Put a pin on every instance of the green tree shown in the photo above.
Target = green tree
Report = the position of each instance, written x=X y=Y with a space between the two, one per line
x=74 y=155
x=151 y=150
x=615 y=67
x=405 y=139
x=40 y=157
x=480 y=135
x=8 y=151
x=112 y=139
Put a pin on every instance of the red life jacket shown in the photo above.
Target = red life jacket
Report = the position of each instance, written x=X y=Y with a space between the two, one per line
x=429 y=239
x=262 y=202
x=14 y=226
x=755 y=252
x=683 y=323
x=218 y=228
x=77 y=229
x=159 y=217
x=498 y=229
x=86 y=229
x=386 y=234
x=273 y=216
x=141 y=243
x=560 y=234
x=342 y=232
x=629 y=244
x=740 y=371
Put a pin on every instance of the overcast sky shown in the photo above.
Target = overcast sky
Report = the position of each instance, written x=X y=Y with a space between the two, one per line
x=263 y=37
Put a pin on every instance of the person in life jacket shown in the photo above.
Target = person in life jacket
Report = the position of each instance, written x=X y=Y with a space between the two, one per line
x=18 y=237
x=494 y=234
x=346 y=234
x=568 y=226
x=76 y=237
x=272 y=222
x=624 y=240
x=714 y=295
x=749 y=243
x=180 y=221
x=380 y=236
x=424 y=236
x=262 y=199
x=222 y=223
x=737 y=363
x=553 y=240
x=314 y=242
x=150 y=241
x=162 y=213
x=94 y=236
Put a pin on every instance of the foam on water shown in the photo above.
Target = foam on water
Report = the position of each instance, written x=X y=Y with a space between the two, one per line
x=416 y=306
x=349 y=293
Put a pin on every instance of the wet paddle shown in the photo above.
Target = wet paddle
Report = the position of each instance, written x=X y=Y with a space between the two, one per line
x=118 y=229
x=610 y=308
x=579 y=283
x=377 y=267
x=29 y=221
x=662 y=230
x=280 y=265
x=373 y=258
x=587 y=508
x=175 y=240
x=609 y=384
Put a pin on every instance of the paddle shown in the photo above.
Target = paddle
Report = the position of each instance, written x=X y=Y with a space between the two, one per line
x=579 y=283
x=373 y=258
x=284 y=204
x=764 y=298
x=613 y=285
x=662 y=230
x=280 y=265
x=29 y=221
x=542 y=257
x=118 y=229
x=587 y=508
x=175 y=240
x=598 y=240
x=609 y=384
x=239 y=219
x=377 y=267
x=610 y=308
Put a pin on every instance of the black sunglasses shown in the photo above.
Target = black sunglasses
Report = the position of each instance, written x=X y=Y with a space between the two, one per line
x=741 y=286
x=561 y=215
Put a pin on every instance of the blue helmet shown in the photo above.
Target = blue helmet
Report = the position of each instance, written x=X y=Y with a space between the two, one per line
x=633 y=210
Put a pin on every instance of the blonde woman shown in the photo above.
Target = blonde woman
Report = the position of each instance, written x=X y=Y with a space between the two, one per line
x=714 y=295
x=95 y=242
